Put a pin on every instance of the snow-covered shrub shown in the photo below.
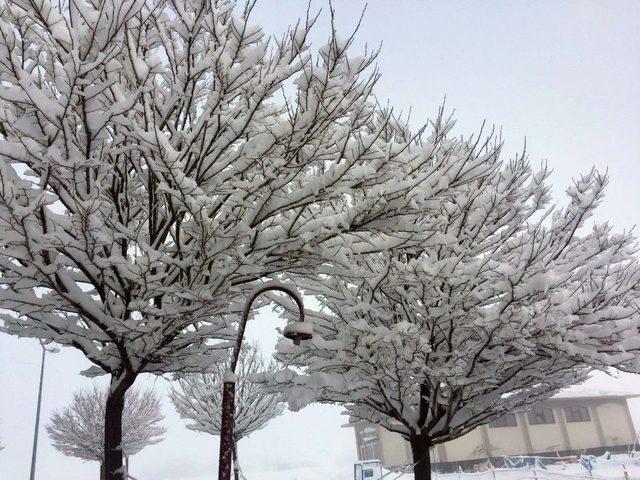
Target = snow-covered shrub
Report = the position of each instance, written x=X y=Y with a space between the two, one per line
x=197 y=398
x=78 y=429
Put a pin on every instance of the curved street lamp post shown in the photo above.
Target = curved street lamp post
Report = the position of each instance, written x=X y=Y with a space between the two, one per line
x=294 y=331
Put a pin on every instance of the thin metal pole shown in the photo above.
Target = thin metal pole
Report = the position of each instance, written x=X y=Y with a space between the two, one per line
x=37 y=427
x=226 y=430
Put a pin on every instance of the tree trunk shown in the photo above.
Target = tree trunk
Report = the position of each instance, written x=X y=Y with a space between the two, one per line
x=236 y=467
x=420 y=446
x=113 y=455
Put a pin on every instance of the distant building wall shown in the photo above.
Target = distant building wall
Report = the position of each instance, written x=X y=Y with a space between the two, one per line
x=574 y=425
x=467 y=447
x=394 y=448
x=582 y=435
x=504 y=440
x=610 y=413
x=545 y=438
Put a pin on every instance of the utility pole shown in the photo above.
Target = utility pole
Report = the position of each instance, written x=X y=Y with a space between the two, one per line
x=37 y=427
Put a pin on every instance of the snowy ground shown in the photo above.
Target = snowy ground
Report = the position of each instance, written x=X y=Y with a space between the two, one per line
x=300 y=473
x=611 y=471
x=536 y=474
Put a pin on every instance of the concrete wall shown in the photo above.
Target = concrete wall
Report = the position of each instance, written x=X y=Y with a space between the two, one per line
x=505 y=440
x=394 y=448
x=467 y=447
x=582 y=435
x=615 y=429
x=546 y=438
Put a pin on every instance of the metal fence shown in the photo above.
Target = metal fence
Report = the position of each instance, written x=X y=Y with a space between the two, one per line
x=586 y=467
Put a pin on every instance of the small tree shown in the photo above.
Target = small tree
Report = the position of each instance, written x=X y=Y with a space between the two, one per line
x=509 y=303
x=160 y=157
x=198 y=398
x=78 y=430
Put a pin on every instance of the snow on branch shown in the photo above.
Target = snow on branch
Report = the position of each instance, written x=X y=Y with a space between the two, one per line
x=151 y=171
x=509 y=301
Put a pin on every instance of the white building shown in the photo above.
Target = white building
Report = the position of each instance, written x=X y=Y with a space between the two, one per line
x=571 y=423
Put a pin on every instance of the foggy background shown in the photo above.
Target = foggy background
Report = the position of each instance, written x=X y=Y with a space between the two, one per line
x=563 y=74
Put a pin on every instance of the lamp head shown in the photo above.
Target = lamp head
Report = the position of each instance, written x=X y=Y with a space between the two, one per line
x=298 y=331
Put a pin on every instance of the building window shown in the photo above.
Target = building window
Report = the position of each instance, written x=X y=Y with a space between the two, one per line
x=577 y=413
x=507 y=420
x=368 y=443
x=540 y=415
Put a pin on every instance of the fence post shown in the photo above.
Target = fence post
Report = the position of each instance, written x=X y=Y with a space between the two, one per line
x=626 y=474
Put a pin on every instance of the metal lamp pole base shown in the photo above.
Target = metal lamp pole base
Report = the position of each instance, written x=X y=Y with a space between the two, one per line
x=226 y=430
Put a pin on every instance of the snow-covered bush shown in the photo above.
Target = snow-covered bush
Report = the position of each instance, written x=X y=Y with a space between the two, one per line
x=512 y=301
x=197 y=398
x=158 y=157
x=78 y=429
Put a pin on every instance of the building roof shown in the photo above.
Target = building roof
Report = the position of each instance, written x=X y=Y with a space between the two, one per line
x=572 y=393
x=584 y=393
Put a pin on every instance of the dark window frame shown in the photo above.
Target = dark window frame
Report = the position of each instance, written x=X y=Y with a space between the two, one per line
x=369 y=443
x=540 y=415
x=577 y=413
x=505 y=421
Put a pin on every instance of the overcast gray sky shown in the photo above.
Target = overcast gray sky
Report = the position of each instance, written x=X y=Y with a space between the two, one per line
x=563 y=74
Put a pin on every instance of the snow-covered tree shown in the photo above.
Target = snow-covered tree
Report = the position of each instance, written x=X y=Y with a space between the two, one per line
x=516 y=301
x=158 y=157
x=198 y=398
x=78 y=429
